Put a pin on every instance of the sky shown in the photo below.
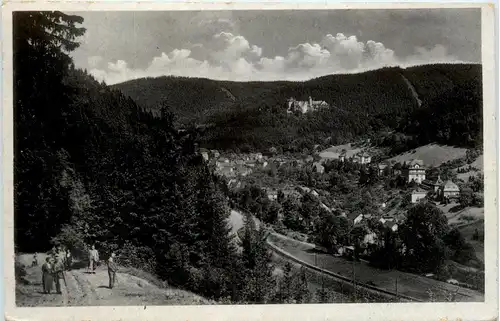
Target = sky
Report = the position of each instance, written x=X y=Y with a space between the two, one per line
x=272 y=45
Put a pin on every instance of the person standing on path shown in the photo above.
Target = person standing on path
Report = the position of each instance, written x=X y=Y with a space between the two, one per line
x=112 y=270
x=58 y=271
x=61 y=254
x=93 y=259
x=69 y=261
x=35 y=260
x=47 y=280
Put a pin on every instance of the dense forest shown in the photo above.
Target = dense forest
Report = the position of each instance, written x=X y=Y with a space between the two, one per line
x=401 y=108
x=91 y=167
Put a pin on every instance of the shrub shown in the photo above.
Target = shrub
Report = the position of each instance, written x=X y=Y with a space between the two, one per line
x=140 y=257
x=475 y=236
x=73 y=240
x=20 y=271
x=478 y=200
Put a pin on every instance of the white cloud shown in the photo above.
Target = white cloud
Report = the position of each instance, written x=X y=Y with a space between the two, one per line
x=231 y=57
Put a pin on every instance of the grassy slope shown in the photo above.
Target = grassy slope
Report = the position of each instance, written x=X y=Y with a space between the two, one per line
x=431 y=154
x=468 y=231
x=478 y=163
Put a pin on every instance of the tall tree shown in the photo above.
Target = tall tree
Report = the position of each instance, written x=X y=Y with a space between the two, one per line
x=421 y=235
x=42 y=42
x=259 y=282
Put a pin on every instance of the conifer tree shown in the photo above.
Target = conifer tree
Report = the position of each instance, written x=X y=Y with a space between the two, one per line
x=42 y=41
x=259 y=282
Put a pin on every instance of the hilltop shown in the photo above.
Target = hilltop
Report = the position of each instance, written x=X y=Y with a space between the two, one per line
x=392 y=103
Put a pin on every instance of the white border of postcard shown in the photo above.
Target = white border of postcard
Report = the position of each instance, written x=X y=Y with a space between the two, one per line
x=374 y=311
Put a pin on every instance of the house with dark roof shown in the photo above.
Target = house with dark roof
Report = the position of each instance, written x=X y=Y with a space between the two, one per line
x=414 y=171
x=226 y=170
x=449 y=190
x=318 y=168
x=365 y=158
x=382 y=169
x=393 y=226
x=362 y=158
x=433 y=184
x=272 y=195
x=342 y=156
x=417 y=195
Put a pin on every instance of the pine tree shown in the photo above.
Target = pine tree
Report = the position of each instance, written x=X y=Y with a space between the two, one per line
x=42 y=41
x=301 y=290
x=286 y=284
x=259 y=282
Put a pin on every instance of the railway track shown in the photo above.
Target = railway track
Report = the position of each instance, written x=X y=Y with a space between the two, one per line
x=371 y=289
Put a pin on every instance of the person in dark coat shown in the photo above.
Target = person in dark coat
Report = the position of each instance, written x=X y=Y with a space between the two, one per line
x=112 y=270
x=69 y=260
x=47 y=279
x=58 y=270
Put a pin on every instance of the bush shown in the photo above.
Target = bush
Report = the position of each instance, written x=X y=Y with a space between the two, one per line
x=19 y=271
x=73 y=240
x=478 y=200
x=475 y=236
x=140 y=257
x=445 y=272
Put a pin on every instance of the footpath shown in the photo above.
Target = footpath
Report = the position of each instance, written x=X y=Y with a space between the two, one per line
x=85 y=289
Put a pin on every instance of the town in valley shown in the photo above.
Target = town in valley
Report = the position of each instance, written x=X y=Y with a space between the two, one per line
x=213 y=164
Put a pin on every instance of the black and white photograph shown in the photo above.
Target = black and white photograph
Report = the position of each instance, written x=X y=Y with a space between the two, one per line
x=251 y=157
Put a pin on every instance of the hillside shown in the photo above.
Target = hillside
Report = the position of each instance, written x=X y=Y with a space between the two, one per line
x=362 y=104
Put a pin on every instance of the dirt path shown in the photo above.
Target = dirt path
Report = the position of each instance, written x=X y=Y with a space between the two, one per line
x=85 y=289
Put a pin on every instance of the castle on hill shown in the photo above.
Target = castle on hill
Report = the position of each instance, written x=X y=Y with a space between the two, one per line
x=305 y=106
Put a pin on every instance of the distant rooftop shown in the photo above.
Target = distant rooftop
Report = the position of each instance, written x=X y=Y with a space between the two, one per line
x=449 y=185
x=414 y=162
x=419 y=191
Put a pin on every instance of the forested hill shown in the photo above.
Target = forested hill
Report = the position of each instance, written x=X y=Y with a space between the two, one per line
x=253 y=114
